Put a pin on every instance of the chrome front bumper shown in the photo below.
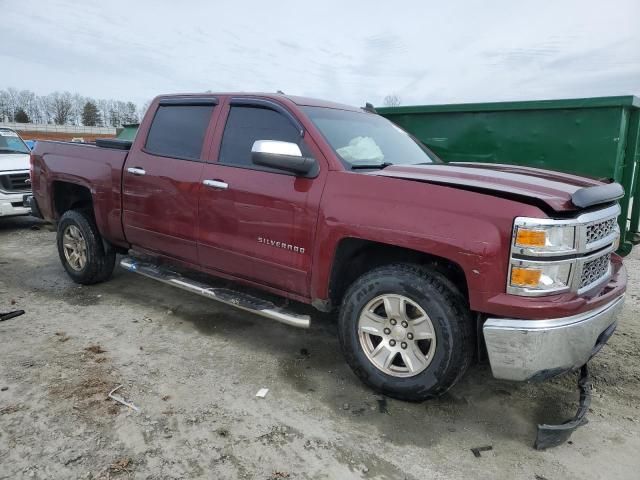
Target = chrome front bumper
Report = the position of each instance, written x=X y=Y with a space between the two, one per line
x=538 y=349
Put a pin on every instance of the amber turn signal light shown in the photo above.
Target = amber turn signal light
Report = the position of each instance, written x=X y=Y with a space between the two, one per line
x=525 y=277
x=531 y=238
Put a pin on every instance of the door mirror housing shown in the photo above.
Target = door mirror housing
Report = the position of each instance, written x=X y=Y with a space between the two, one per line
x=283 y=156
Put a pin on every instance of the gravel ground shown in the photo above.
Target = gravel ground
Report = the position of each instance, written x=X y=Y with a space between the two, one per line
x=193 y=368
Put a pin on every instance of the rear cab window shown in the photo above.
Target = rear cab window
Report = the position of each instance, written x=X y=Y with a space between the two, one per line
x=178 y=131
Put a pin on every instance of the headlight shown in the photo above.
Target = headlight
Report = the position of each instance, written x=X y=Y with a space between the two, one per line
x=540 y=239
x=539 y=277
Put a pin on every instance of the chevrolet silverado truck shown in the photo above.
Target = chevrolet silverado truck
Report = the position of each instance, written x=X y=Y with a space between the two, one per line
x=15 y=185
x=430 y=266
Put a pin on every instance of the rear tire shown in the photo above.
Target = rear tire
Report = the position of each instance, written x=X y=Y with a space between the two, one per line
x=81 y=248
x=406 y=331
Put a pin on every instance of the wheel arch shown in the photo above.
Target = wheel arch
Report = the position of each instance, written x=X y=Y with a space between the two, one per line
x=70 y=196
x=355 y=256
x=67 y=196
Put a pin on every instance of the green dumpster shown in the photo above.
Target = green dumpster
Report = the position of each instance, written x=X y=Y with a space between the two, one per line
x=595 y=137
x=128 y=131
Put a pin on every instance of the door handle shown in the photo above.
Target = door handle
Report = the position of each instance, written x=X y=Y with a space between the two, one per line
x=136 y=170
x=218 y=184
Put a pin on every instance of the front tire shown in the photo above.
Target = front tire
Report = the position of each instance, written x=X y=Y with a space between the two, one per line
x=81 y=249
x=406 y=331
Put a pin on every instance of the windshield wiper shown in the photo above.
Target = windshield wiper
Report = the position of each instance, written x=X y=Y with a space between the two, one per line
x=363 y=166
x=10 y=150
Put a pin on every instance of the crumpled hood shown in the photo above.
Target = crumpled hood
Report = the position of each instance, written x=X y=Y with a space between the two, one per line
x=553 y=188
x=14 y=161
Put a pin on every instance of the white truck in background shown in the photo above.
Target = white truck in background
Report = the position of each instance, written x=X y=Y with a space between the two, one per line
x=15 y=182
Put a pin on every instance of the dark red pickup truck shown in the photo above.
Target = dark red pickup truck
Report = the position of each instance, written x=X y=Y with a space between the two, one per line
x=430 y=265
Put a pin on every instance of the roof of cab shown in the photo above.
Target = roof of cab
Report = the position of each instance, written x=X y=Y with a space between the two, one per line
x=300 y=101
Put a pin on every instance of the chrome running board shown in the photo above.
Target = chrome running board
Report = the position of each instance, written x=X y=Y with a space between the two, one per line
x=227 y=296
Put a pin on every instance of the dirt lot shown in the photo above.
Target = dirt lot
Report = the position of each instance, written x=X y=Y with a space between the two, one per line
x=193 y=368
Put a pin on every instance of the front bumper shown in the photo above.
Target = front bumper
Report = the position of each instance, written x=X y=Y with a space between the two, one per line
x=538 y=349
x=13 y=204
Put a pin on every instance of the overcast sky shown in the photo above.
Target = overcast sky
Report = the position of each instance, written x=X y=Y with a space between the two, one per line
x=347 y=51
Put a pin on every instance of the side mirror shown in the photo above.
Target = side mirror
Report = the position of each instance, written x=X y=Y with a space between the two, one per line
x=282 y=156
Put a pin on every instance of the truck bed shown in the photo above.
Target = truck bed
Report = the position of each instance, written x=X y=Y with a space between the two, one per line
x=97 y=168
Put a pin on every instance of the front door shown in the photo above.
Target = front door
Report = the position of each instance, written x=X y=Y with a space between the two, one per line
x=257 y=223
x=161 y=180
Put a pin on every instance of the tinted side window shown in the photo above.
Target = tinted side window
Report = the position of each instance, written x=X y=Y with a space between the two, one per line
x=178 y=131
x=245 y=125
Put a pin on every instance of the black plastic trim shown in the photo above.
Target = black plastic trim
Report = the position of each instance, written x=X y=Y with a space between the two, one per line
x=299 y=166
x=589 y=196
x=30 y=201
x=114 y=143
x=189 y=101
x=264 y=103
x=188 y=159
x=258 y=168
x=549 y=436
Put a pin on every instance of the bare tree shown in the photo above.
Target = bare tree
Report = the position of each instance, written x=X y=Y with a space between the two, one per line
x=27 y=102
x=392 y=100
x=62 y=107
x=66 y=108
x=77 y=107
x=4 y=106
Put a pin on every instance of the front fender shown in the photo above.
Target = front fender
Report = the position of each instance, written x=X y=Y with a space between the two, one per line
x=470 y=229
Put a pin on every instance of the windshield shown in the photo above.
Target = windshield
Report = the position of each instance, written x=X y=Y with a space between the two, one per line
x=365 y=140
x=10 y=142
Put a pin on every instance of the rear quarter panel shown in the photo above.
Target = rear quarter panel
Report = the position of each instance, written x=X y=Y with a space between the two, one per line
x=98 y=169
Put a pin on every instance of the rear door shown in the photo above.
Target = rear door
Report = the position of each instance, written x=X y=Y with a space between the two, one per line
x=257 y=223
x=161 y=179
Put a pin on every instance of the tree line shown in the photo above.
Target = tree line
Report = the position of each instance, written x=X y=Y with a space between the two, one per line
x=65 y=108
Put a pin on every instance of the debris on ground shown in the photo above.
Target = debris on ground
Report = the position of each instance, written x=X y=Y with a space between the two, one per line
x=121 y=400
x=382 y=405
x=10 y=409
x=63 y=336
x=10 y=315
x=277 y=434
x=278 y=474
x=97 y=349
x=166 y=397
x=4 y=389
x=122 y=465
x=72 y=459
x=304 y=354
x=262 y=392
x=476 y=451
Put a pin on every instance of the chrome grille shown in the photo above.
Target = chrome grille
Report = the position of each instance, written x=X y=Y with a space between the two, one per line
x=594 y=270
x=15 y=182
x=599 y=230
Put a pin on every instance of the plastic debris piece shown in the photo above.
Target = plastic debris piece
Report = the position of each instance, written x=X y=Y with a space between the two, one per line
x=262 y=392
x=121 y=400
x=476 y=451
x=10 y=315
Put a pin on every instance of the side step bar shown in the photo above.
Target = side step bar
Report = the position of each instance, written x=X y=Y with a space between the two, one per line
x=234 y=298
